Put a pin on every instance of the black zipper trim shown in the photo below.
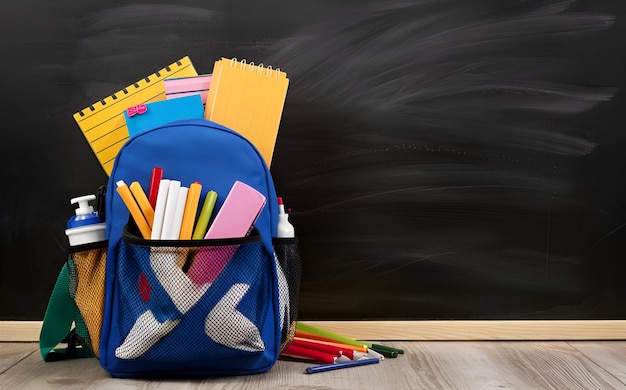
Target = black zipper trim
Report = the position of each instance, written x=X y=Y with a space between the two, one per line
x=131 y=238
x=284 y=240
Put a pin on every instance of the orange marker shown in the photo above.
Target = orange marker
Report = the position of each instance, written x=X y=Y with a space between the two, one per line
x=134 y=209
x=143 y=202
x=191 y=207
x=315 y=336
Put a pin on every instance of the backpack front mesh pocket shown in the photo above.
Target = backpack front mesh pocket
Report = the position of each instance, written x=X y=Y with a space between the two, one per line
x=198 y=302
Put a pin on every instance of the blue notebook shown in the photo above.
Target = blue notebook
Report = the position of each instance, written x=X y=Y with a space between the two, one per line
x=144 y=117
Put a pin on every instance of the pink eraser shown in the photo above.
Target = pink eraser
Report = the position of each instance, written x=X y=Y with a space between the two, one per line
x=242 y=206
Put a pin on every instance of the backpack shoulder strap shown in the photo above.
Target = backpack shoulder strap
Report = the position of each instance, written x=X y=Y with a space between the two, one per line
x=61 y=314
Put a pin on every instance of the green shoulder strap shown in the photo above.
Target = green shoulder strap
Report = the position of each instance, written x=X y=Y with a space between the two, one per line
x=61 y=314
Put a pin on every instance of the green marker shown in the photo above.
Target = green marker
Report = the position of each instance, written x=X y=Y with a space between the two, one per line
x=377 y=347
x=328 y=334
x=385 y=352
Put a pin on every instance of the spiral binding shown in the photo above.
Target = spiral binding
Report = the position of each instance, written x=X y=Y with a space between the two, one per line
x=244 y=65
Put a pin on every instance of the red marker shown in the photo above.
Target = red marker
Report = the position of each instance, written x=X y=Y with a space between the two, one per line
x=157 y=175
x=300 y=352
x=330 y=349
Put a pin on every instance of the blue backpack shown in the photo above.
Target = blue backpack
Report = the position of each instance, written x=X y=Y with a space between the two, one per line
x=157 y=320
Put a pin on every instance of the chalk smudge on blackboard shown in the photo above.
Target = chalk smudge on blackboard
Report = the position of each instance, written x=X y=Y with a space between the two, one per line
x=488 y=74
x=441 y=138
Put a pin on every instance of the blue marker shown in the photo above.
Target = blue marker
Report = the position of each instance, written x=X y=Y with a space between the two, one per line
x=336 y=366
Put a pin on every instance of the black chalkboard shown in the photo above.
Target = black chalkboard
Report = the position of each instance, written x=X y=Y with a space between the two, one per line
x=443 y=159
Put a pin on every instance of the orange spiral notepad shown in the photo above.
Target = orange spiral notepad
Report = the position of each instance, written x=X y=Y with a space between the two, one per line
x=103 y=123
x=249 y=99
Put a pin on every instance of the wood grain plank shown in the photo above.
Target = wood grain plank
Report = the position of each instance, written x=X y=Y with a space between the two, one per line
x=34 y=373
x=12 y=353
x=423 y=330
x=564 y=367
x=478 y=330
x=20 y=331
x=425 y=365
x=491 y=365
x=610 y=355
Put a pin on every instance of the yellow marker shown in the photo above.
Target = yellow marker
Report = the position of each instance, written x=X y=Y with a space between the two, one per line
x=134 y=209
x=143 y=202
x=191 y=207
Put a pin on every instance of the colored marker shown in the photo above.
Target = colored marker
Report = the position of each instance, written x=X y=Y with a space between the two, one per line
x=355 y=345
x=381 y=356
x=143 y=202
x=322 y=357
x=191 y=208
x=326 y=348
x=337 y=366
x=322 y=334
x=327 y=334
x=159 y=210
x=134 y=209
x=385 y=349
x=367 y=355
x=345 y=351
x=205 y=216
x=155 y=180
x=333 y=343
x=379 y=346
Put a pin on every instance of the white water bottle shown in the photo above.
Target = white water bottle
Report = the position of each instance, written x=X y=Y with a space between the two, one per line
x=285 y=229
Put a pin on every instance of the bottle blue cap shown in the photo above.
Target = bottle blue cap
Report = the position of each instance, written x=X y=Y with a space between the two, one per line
x=83 y=220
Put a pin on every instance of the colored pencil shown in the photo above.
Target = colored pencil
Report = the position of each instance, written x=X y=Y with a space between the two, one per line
x=326 y=348
x=336 y=366
x=327 y=334
x=333 y=343
x=312 y=336
x=347 y=340
x=297 y=351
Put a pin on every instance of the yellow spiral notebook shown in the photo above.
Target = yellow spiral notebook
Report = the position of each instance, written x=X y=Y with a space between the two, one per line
x=103 y=123
x=249 y=99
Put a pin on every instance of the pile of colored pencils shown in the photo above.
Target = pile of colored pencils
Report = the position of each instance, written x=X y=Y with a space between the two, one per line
x=313 y=343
